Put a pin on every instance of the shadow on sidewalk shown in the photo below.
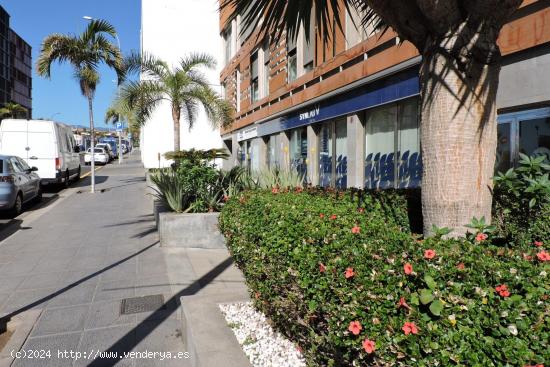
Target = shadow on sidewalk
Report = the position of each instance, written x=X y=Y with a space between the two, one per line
x=148 y=325
x=6 y=318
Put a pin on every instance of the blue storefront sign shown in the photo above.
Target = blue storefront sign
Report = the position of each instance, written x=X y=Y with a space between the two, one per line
x=395 y=87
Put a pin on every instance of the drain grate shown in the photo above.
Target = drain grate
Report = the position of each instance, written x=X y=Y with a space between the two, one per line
x=142 y=304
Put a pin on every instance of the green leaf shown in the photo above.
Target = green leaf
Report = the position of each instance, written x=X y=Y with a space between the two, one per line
x=436 y=307
x=532 y=202
x=430 y=282
x=426 y=296
x=414 y=299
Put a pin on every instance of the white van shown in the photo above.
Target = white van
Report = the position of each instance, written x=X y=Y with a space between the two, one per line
x=50 y=146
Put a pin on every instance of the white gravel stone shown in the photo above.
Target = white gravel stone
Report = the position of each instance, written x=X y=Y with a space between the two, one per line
x=263 y=346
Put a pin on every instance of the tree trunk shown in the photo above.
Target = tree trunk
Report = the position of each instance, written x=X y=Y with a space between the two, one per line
x=458 y=134
x=176 y=114
x=92 y=143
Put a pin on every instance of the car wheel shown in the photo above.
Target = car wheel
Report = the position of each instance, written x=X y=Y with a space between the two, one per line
x=18 y=206
x=67 y=179
x=38 y=197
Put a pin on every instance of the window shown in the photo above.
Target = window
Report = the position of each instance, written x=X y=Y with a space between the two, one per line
x=308 y=43
x=273 y=149
x=333 y=158
x=265 y=70
x=228 y=42
x=23 y=164
x=355 y=32
x=244 y=31
x=254 y=82
x=238 y=92
x=16 y=165
x=298 y=151
x=534 y=137
x=292 y=59
x=392 y=146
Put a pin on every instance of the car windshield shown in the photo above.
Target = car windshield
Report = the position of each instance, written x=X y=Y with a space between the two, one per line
x=99 y=150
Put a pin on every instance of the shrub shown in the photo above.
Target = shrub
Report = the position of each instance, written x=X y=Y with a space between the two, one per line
x=323 y=271
x=521 y=204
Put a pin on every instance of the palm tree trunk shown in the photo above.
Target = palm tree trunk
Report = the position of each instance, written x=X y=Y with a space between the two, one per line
x=92 y=142
x=458 y=134
x=176 y=114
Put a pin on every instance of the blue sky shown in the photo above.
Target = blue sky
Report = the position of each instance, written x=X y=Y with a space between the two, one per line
x=60 y=97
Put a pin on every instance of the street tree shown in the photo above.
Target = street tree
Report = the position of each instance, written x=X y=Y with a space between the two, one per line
x=12 y=110
x=184 y=87
x=84 y=53
x=459 y=76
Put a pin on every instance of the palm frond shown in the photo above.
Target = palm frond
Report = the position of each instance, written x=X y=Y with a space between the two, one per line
x=146 y=64
x=57 y=48
x=96 y=27
x=195 y=60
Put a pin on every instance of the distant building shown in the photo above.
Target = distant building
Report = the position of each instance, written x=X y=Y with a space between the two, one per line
x=15 y=66
x=170 y=30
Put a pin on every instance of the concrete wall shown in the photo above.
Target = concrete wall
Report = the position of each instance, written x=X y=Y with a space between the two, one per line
x=171 y=29
x=525 y=78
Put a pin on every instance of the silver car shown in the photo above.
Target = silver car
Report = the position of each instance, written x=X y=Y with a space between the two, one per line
x=19 y=184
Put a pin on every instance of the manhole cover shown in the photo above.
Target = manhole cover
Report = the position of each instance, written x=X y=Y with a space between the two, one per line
x=142 y=304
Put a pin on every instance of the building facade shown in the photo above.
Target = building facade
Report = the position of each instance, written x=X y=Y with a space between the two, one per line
x=15 y=66
x=347 y=113
x=171 y=29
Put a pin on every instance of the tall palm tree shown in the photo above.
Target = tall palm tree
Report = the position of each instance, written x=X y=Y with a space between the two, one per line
x=459 y=76
x=12 y=110
x=184 y=87
x=119 y=111
x=85 y=53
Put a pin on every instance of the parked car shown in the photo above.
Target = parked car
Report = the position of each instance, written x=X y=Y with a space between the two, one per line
x=112 y=143
x=108 y=149
x=100 y=156
x=19 y=184
x=50 y=146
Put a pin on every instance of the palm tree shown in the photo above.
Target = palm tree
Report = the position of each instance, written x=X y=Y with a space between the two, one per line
x=84 y=52
x=12 y=110
x=119 y=111
x=459 y=78
x=184 y=87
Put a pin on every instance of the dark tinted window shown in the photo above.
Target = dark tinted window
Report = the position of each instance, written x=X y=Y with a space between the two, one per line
x=1 y=166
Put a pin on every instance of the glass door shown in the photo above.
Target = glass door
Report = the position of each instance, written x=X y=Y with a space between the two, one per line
x=325 y=155
x=333 y=154
x=298 y=151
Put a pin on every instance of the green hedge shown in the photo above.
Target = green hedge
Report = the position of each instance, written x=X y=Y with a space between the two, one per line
x=295 y=250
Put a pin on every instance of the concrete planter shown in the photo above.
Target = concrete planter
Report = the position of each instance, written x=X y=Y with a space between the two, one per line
x=197 y=230
x=159 y=207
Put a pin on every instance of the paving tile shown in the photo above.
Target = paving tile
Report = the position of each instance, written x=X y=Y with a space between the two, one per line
x=48 y=280
x=159 y=337
x=118 y=289
x=117 y=339
x=79 y=295
x=61 y=320
x=104 y=314
x=37 y=298
x=56 y=345
x=18 y=267
x=10 y=284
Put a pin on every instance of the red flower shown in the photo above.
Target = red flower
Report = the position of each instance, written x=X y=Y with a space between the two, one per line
x=355 y=327
x=403 y=303
x=543 y=256
x=538 y=243
x=349 y=273
x=321 y=215
x=225 y=198
x=527 y=257
x=355 y=229
x=460 y=266
x=368 y=346
x=333 y=216
x=409 y=328
x=361 y=210
x=502 y=290
x=429 y=254
x=408 y=268
x=299 y=189
x=275 y=190
x=481 y=237
x=322 y=267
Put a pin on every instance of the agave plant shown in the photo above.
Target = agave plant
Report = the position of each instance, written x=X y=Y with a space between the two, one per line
x=276 y=177
x=171 y=192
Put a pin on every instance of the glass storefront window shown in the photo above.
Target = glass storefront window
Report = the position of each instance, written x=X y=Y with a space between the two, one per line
x=409 y=164
x=504 y=148
x=325 y=155
x=380 y=147
x=393 y=158
x=333 y=158
x=534 y=137
x=273 y=147
x=298 y=151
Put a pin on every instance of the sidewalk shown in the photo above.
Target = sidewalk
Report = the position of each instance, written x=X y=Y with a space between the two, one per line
x=79 y=260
